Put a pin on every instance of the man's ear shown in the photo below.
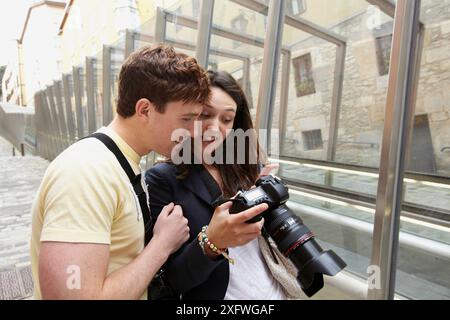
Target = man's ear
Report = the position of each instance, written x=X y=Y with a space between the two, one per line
x=144 y=108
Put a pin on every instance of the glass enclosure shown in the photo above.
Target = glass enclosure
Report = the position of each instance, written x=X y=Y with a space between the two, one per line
x=328 y=122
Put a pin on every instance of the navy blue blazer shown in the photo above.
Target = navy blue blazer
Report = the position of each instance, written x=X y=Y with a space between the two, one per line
x=189 y=271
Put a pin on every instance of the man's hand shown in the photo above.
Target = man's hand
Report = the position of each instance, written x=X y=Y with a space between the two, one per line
x=171 y=228
x=127 y=282
x=231 y=230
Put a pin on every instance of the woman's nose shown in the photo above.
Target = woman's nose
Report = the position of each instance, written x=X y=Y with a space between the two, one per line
x=212 y=125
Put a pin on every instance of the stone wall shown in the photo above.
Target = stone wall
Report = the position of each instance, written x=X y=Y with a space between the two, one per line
x=364 y=91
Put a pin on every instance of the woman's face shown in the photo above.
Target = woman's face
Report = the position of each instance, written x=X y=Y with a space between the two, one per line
x=217 y=117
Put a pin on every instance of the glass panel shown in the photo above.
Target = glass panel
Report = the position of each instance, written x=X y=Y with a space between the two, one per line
x=141 y=40
x=61 y=106
x=83 y=100
x=334 y=193
x=423 y=270
x=98 y=89
x=117 y=57
x=239 y=21
x=72 y=103
x=312 y=71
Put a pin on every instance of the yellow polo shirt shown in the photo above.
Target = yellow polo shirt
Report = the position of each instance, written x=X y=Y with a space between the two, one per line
x=86 y=197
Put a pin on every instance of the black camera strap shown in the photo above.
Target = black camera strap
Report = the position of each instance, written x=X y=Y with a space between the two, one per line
x=136 y=181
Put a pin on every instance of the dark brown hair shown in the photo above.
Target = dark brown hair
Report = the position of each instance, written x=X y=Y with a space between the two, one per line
x=234 y=176
x=161 y=75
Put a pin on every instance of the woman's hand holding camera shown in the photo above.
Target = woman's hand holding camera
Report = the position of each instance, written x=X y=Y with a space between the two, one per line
x=231 y=230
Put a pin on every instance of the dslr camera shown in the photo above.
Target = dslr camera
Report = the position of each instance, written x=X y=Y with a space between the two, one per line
x=292 y=237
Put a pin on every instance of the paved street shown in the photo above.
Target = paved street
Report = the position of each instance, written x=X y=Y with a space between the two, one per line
x=19 y=181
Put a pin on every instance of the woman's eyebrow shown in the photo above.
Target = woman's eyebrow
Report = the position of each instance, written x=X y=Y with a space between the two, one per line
x=228 y=109
x=190 y=114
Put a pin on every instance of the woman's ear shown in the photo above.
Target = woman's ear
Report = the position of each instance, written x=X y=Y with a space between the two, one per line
x=144 y=108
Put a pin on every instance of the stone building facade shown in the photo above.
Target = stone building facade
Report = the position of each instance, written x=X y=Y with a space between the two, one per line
x=364 y=93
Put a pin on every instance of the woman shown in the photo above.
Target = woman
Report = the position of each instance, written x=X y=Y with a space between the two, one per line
x=235 y=267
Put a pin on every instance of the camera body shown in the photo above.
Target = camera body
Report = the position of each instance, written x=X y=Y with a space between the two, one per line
x=292 y=236
x=269 y=189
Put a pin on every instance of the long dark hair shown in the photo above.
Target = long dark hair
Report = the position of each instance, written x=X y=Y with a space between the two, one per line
x=234 y=176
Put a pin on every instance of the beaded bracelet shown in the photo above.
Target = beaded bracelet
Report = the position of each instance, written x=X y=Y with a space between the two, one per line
x=203 y=240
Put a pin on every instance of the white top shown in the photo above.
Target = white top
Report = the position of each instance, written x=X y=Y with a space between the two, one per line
x=250 y=278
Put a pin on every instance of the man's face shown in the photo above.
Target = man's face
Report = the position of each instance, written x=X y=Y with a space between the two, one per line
x=178 y=115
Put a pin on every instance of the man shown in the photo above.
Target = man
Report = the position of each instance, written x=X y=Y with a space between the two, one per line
x=88 y=230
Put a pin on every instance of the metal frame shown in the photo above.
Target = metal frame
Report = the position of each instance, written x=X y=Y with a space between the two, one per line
x=386 y=6
x=41 y=137
x=50 y=125
x=43 y=145
x=188 y=46
x=77 y=92
x=354 y=167
x=192 y=23
x=90 y=94
x=415 y=242
x=284 y=99
x=129 y=42
x=160 y=25
x=68 y=103
x=38 y=122
x=246 y=84
x=51 y=138
x=324 y=34
x=107 y=114
x=164 y=16
x=55 y=122
x=204 y=32
x=296 y=22
x=336 y=102
x=399 y=122
x=438 y=217
x=61 y=113
x=269 y=73
x=132 y=37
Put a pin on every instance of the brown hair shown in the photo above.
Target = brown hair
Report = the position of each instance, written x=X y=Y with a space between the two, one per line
x=161 y=75
x=234 y=176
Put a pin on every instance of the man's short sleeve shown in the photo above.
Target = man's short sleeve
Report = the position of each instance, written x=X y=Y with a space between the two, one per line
x=79 y=203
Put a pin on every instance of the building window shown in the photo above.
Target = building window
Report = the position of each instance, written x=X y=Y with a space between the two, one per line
x=195 y=8
x=383 y=47
x=240 y=23
x=312 y=140
x=304 y=81
x=295 y=7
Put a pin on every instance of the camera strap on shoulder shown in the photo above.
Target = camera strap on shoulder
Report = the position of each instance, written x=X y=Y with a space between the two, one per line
x=136 y=181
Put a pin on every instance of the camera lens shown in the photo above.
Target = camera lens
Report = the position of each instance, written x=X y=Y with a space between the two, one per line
x=297 y=242
x=287 y=230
